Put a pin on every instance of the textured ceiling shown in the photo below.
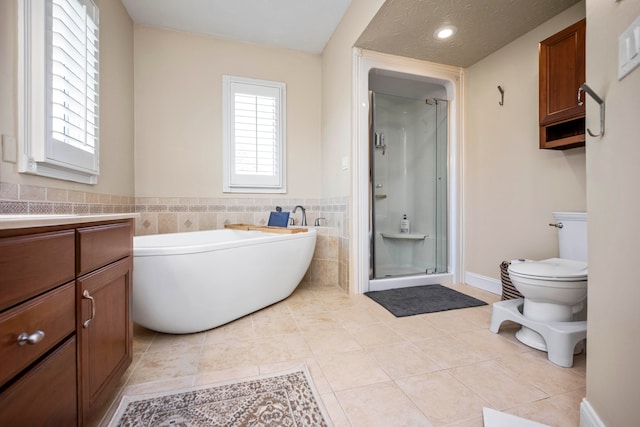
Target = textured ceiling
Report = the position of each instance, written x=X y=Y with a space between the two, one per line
x=406 y=27
x=304 y=25
x=401 y=27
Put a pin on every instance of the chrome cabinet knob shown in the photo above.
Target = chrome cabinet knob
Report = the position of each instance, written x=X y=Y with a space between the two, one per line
x=34 y=338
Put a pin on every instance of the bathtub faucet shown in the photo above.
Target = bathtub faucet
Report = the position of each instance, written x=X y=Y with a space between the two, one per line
x=304 y=214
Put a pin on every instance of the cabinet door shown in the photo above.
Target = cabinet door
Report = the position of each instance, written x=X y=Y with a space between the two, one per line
x=105 y=333
x=562 y=72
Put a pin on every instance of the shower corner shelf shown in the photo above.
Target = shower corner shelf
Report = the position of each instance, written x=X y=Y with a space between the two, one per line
x=404 y=236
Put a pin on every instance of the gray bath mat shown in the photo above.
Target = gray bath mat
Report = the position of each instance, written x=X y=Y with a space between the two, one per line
x=403 y=302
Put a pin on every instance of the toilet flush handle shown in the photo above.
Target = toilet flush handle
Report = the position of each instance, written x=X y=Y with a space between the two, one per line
x=557 y=225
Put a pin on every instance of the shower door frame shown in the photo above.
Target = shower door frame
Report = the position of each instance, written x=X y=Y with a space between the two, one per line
x=436 y=141
x=452 y=78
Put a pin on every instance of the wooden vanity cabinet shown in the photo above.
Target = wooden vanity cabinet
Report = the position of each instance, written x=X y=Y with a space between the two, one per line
x=105 y=330
x=561 y=73
x=37 y=328
x=65 y=329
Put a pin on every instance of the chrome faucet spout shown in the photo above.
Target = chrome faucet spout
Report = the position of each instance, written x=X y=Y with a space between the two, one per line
x=304 y=214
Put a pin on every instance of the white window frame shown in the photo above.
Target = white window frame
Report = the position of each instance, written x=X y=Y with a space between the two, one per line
x=41 y=153
x=237 y=183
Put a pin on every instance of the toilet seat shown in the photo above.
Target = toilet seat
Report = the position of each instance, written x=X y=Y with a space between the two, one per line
x=553 y=269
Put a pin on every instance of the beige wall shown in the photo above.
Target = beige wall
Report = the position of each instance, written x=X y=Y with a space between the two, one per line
x=510 y=186
x=337 y=123
x=116 y=101
x=178 y=111
x=337 y=87
x=613 y=375
x=8 y=77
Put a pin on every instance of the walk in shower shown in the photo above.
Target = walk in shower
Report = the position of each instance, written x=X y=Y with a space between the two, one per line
x=408 y=176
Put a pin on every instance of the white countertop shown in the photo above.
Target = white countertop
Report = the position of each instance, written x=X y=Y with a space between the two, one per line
x=10 y=221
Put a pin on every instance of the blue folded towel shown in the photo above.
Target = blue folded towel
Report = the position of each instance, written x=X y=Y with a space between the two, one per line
x=279 y=219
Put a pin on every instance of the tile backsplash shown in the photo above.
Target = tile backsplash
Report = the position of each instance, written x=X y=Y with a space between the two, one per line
x=28 y=199
x=330 y=265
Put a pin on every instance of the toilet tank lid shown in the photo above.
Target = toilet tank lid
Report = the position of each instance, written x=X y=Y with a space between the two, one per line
x=553 y=268
x=570 y=216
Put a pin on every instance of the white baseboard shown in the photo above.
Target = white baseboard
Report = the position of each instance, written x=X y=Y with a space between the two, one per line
x=588 y=416
x=483 y=282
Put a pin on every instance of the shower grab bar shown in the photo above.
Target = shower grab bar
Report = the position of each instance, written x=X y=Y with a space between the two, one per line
x=584 y=87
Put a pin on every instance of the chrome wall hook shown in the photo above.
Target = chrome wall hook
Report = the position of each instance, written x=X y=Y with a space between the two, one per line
x=584 y=87
x=501 y=102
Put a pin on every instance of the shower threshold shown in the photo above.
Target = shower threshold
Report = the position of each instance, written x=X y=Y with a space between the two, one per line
x=410 y=280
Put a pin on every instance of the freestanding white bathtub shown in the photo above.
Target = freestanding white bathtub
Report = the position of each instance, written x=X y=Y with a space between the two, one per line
x=191 y=282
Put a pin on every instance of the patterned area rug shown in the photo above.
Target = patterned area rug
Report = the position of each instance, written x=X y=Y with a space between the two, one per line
x=287 y=399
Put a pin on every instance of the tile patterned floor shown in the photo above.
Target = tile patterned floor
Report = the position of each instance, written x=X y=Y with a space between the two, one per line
x=371 y=368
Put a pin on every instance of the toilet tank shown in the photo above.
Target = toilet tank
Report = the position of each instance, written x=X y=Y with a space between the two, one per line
x=572 y=237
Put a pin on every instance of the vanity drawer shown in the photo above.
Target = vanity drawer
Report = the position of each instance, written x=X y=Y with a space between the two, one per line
x=53 y=313
x=103 y=244
x=46 y=395
x=33 y=264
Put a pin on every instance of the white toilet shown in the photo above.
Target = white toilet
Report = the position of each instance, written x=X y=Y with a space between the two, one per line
x=553 y=312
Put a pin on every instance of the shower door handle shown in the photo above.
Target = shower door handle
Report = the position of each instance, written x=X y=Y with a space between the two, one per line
x=379 y=142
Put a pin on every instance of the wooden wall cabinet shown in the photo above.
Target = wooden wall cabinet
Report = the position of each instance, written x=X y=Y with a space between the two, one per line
x=67 y=288
x=562 y=72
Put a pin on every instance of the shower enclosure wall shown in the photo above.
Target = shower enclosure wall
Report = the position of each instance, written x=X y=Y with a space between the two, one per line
x=408 y=170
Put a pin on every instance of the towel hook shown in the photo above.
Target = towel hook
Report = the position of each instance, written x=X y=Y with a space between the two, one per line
x=584 y=87
x=501 y=102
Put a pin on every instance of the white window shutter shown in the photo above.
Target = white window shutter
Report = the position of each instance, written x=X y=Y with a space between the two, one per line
x=254 y=135
x=65 y=142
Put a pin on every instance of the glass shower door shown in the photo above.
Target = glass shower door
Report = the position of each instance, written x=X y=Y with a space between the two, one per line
x=408 y=165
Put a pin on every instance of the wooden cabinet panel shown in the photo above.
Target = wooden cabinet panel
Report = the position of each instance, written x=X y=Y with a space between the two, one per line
x=66 y=374
x=105 y=342
x=33 y=264
x=100 y=245
x=46 y=395
x=562 y=72
x=53 y=313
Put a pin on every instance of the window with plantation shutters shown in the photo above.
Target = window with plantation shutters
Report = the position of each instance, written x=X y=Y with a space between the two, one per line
x=59 y=114
x=254 y=135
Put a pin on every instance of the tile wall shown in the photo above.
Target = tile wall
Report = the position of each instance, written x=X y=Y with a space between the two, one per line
x=330 y=265
x=28 y=199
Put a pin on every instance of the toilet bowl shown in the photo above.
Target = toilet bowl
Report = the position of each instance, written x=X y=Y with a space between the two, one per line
x=554 y=291
x=553 y=288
